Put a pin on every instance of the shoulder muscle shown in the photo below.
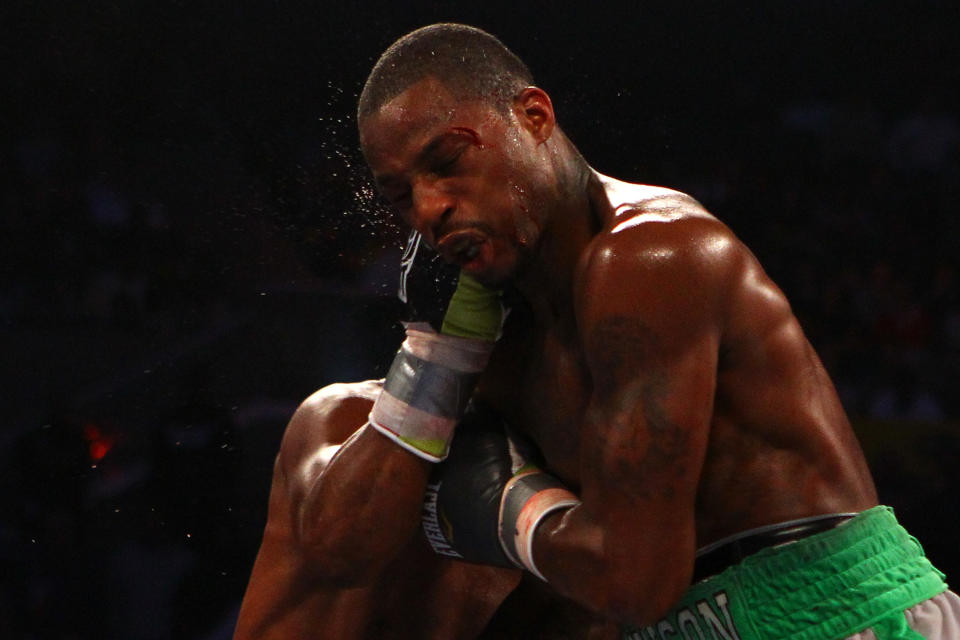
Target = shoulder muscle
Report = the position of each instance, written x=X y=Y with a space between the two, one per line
x=668 y=277
x=327 y=417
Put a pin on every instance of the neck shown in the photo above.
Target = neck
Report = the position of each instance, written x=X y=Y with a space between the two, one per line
x=579 y=212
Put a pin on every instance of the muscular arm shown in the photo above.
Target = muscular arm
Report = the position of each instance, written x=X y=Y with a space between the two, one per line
x=379 y=475
x=648 y=307
x=295 y=581
x=297 y=592
x=339 y=507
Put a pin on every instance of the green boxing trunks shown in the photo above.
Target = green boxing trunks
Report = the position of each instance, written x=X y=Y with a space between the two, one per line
x=861 y=574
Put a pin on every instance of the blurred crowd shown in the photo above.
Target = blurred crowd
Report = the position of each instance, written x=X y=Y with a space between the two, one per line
x=155 y=348
x=853 y=212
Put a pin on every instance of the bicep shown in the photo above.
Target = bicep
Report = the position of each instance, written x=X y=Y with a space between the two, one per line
x=646 y=430
x=649 y=314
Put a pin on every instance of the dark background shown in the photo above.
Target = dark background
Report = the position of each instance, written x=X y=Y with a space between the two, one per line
x=189 y=247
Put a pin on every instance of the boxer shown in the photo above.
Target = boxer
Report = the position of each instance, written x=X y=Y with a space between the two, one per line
x=700 y=474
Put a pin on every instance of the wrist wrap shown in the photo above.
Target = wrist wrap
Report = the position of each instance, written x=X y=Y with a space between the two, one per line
x=528 y=498
x=427 y=389
x=432 y=376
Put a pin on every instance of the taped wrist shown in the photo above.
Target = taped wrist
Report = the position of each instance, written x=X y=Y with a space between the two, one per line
x=528 y=498
x=427 y=389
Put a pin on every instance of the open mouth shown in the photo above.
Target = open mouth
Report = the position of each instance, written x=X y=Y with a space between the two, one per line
x=461 y=247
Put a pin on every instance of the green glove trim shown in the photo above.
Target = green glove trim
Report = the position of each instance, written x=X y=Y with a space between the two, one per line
x=435 y=448
x=474 y=311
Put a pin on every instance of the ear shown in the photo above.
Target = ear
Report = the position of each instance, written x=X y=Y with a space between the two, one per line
x=534 y=111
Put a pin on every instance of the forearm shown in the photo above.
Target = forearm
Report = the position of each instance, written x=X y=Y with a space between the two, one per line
x=362 y=508
x=617 y=576
x=365 y=504
x=379 y=475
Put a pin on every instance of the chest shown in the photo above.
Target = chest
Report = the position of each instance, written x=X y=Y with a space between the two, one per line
x=543 y=390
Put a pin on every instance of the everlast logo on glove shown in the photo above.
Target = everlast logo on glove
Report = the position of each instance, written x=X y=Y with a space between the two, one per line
x=431 y=524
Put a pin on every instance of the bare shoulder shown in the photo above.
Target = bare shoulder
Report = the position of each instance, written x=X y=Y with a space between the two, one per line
x=659 y=247
x=327 y=417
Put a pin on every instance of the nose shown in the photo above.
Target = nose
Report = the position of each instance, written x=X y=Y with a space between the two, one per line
x=430 y=208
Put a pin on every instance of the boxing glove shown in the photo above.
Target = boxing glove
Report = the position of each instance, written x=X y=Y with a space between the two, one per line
x=484 y=502
x=436 y=369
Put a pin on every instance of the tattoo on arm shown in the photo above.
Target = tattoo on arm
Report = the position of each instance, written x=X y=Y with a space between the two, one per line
x=631 y=389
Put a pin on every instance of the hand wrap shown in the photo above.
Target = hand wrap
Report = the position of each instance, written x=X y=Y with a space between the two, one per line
x=433 y=374
x=528 y=498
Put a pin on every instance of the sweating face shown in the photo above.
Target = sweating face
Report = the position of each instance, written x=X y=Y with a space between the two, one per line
x=461 y=173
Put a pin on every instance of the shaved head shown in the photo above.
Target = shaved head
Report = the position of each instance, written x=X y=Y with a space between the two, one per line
x=470 y=62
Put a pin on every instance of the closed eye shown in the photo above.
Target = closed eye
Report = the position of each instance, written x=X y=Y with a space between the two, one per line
x=445 y=165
